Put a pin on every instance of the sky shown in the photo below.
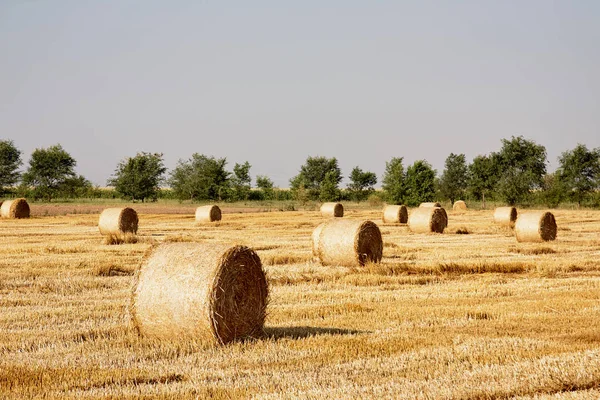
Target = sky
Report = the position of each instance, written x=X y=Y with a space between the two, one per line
x=274 y=82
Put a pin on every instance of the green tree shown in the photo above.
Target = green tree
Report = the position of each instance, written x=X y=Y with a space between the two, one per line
x=522 y=166
x=420 y=183
x=483 y=177
x=76 y=187
x=200 y=178
x=139 y=177
x=554 y=190
x=361 y=183
x=329 y=187
x=579 y=171
x=453 y=182
x=241 y=182
x=394 y=181
x=49 y=170
x=266 y=187
x=10 y=161
x=312 y=175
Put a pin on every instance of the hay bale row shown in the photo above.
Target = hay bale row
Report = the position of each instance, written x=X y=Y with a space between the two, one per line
x=332 y=210
x=211 y=293
x=395 y=214
x=347 y=243
x=17 y=208
x=538 y=226
x=428 y=220
x=210 y=213
x=505 y=216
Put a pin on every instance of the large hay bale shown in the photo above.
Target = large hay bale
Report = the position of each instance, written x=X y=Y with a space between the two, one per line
x=17 y=208
x=428 y=220
x=395 y=214
x=315 y=240
x=505 y=216
x=118 y=222
x=208 y=213
x=332 y=210
x=212 y=293
x=347 y=243
x=459 y=205
x=430 y=205
x=538 y=226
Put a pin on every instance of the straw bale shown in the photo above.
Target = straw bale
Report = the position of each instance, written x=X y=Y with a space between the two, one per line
x=505 y=216
x=210 y=293
x=347 y=243
x=332 y=210
x=428 y=220
x=17 y=208
x=395 y=214
x=208 y=213
x=430 y=205
x=459 y=205
x=538 y=226
x=118 y=222
x=315 y=240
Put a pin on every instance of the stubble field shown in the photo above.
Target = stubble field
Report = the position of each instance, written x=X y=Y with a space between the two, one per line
x=452 y=316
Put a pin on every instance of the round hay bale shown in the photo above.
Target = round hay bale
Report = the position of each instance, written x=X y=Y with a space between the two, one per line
x=347 y=243
x=430 y=205
x=315 y=240
x=539 y=226
x=213 y=293
x=505 y=216
x=332 y=210
x=208 y=213
x=395 y=214
x=17 y=208
x=459 y=205
x=118 y=222
x=428 y=220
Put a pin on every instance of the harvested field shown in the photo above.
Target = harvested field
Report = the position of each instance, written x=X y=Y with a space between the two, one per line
x=442 y=316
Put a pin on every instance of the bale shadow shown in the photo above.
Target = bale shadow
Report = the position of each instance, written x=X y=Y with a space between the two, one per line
x=301 y=332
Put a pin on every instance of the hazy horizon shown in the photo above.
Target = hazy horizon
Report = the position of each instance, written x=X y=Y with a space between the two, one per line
x=274 y=83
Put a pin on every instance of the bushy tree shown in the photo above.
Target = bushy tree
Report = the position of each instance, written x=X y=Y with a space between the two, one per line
x=394 y=181
x=139 y=177
x=265 y=185
x=453 y=182
x=76 y=187
x=313 y=173
x=579 y=171
x=49 y=170
x=241 y=181
x=361 y=183
x=200 y=178
x=483 y=176
x=420 y=183
x=10 y=161
x=328 y=190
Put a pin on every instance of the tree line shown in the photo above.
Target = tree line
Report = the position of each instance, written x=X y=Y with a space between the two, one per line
x=515 y=174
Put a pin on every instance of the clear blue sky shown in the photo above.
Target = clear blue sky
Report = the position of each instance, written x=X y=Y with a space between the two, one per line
x=273 y=82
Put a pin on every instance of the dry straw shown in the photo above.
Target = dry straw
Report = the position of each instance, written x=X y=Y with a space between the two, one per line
x=430 y=205
x=118 y=224
x=459 y=205
x=428 y=220
x=539 y=226
x=208 y=213
x=505 y=216
x=395 y=214
x=347 y=243
x=332 y=210
x=212 y=293
x=17 y=208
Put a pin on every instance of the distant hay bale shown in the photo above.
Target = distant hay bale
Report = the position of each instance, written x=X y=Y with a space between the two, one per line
x=213 y=293
x=430 y=205
x=208 y=213
x=395 y=214
x=17 y=208
x=428 y=220
x=332 y=210
x=539 y=226
x=505 y=216
x=118 y=224
x=347 y=243
x=459 y=205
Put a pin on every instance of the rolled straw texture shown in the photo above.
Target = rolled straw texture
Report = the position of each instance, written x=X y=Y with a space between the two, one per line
x=395 y=214
x=332 y=210
x=539 y=226
x=118 y=221
x=430 y=205
x=17 y=208
x=505 y=216
x=212 y=293
x=315 y=240
x=459 y=205
x=208 y=213
x=348 y=243
x=428 y=220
